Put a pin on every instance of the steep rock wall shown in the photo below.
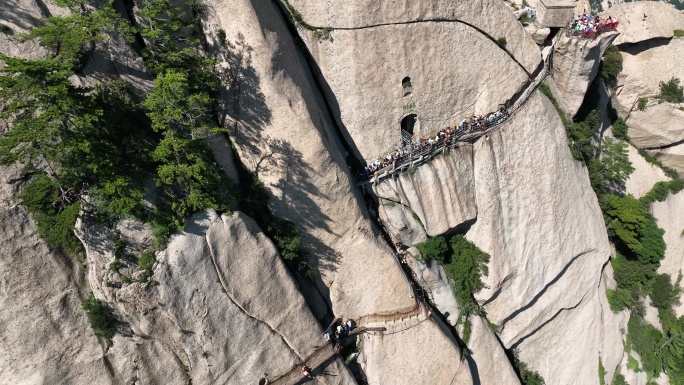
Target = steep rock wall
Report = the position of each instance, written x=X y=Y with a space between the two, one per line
x=45 y=337
x=668 y=214
x=284 y=134
x=453 y=68
x=539 y=220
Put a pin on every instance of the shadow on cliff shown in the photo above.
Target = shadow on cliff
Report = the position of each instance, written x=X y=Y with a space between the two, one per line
x=14 y=12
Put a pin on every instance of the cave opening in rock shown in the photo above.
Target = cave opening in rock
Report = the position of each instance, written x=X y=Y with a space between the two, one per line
x=408 y=124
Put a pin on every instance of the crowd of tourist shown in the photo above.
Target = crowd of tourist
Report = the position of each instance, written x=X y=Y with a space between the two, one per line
x=589 y=26
x=440 y=139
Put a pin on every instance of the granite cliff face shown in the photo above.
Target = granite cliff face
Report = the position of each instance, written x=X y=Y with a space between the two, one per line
x=300 y=108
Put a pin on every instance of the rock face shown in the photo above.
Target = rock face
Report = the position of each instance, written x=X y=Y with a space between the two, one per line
x=575 y=64
x=284 y=134
x=44 y=335
x=673 y=225
x=440 y=192
x=225 y=305
x=527 y=200
x=451 y=65
x=644 y=20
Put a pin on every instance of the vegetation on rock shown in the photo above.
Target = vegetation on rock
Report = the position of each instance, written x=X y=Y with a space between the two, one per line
x=671 y=91
x=611 y=65
x=99 y=316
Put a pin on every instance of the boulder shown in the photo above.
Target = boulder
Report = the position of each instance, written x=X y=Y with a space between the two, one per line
x=575 y=64
x=644 y=20
x=659 y=125
x=440 y=192
x=666 y=214
x=401 y=222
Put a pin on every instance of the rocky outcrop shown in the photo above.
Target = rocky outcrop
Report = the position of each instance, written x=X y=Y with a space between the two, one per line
x=575 y=64
x=673 y=225
x=487 y=360
x=440 y=192
x=225 y=305
x=528 y=198
x=660 y=126
x=644 y=20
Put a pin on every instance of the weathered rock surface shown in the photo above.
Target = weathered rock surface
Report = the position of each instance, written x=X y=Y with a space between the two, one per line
x=668 y=214
x=644 y=20
x=403 y=226
x=576 y=62
x=441 y=191
x=487 y=360
x=225 y=306
x=283 y=133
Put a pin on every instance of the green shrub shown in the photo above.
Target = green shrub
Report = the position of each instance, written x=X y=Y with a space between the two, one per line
x=126 y=279
x=115 y=265
x=678 y=32
x=221 y=36
x=99 y=316
x=146 y=260
x=411 y=170
x=641 y=104
x=286 y=237
x=632 y=363
x=524 y=19
x=601 y=373
x=434 y=249
x=663 y=293
x=646 y=340
x=467 y=266
x=611 y=65
x=620 y=129
x=619 y=299
x=4 y=28
x=390 y=203
x=619 y=379
x=501 y=41
x=417 y=219
x=526 y=375
x=671 y=91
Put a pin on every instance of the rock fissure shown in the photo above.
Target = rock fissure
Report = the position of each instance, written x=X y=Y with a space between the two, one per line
x=561 y=310
x=227 y=292
x=543 y=290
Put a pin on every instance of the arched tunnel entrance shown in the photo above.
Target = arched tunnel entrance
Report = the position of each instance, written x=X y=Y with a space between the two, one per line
x=408 y=124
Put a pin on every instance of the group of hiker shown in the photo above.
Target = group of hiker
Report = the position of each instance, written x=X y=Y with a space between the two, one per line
x=444 y=137
x=336 y=332
x=589 y=26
